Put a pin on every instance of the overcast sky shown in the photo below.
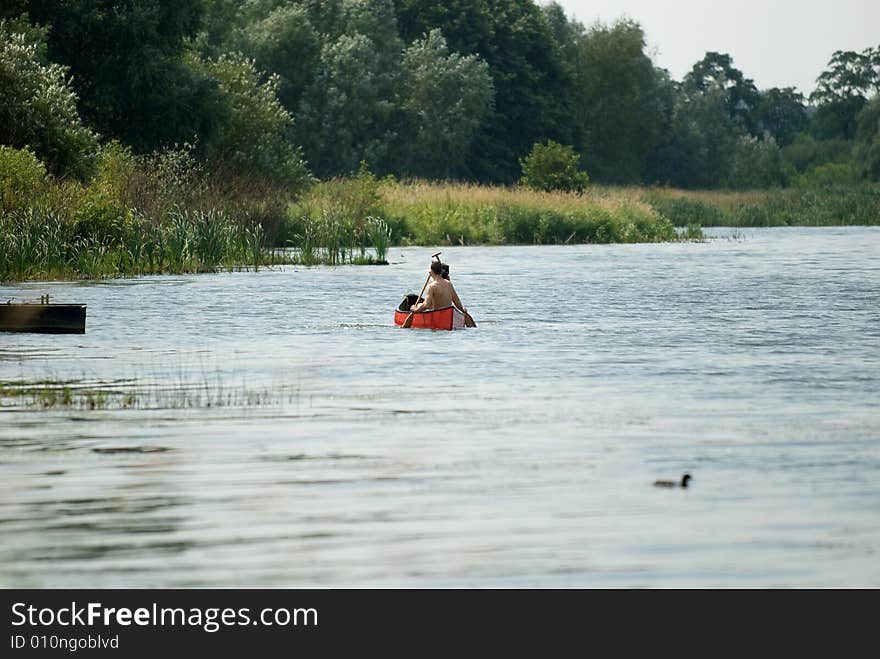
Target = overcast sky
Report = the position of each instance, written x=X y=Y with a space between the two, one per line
x=776 y=43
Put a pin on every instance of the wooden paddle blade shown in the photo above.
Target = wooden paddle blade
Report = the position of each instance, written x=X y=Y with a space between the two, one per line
x=408 y=322
x=468 y=321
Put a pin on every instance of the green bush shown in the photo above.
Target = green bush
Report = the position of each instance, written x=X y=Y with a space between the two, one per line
x=756 y=164
x=806 y=152
x=22 y=178
x=552 y=166
x=832 y=173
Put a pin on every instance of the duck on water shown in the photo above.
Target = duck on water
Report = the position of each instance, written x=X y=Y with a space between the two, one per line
x=683 y=483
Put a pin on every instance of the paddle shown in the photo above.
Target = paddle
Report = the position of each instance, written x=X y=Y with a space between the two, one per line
x=409 y=319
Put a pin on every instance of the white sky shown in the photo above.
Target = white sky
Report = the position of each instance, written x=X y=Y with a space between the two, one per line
x=781 y=43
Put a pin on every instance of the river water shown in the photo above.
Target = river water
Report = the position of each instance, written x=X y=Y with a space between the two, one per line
x=287 y=434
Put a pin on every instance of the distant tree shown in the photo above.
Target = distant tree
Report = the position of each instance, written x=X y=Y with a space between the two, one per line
x=715 y=73
x=867 y=149
x=783 y=114
x=283 y=42
x=843 y=90
x=756 y=164
x=703 y=137
x=446 y=97
x=566 y=32
x=621 y=112
x=37 y=107
x=530 y=79
x=552 y=166
x=351 y=110
x=220 y=20
x=12 y=9
x=714 y=108
x=837 y=119
x=849 y=74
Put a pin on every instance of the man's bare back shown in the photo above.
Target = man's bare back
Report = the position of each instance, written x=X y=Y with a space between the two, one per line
x=438 y=294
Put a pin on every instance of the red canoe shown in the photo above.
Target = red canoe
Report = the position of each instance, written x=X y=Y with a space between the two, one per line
x=448 y=318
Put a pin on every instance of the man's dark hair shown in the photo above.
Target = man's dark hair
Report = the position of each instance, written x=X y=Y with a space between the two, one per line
x=437 y=267
x=445 y=271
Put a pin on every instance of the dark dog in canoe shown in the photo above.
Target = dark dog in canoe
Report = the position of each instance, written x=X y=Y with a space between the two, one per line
x=410 y=300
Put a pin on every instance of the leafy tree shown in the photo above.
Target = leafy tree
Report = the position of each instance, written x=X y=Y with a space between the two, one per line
x=351 y=110
x=715 y=73
x=283 y=42
x=714 y=107
x=552 y=166
x=783 y=114
x=446 y=97
x=220 y=20
x=831 y=174
x=703 y=136
x=524 y=60
x=843 y=90
x=346 y=114
x=252 y=138
x=127 y=61
x=837 y=119
x=867 y=150
x=622 y=113
x=566 y=33
x=37 y=106
x=849 y=74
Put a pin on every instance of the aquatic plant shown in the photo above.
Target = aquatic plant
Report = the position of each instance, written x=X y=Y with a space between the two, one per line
x=87 y=394
x=380 y=236
x=39 y=242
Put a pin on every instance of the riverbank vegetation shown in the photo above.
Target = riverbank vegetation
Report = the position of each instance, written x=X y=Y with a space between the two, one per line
x=426 y=213
x=158 y=136
x=836 y=205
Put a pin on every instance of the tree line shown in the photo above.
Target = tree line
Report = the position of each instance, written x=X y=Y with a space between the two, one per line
x=279 y=92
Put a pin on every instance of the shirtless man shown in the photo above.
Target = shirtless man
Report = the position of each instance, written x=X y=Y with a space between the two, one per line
x=440 y=292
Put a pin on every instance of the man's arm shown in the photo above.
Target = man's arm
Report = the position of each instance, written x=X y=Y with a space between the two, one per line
x=429 y=300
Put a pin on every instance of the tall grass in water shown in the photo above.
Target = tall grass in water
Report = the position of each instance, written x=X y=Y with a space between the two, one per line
x=87 y=394
x=380 y=236
x=38 y=243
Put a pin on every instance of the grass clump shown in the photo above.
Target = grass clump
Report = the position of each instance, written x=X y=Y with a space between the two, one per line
x=432 y=213
x=339 y=220
x=94 y=395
